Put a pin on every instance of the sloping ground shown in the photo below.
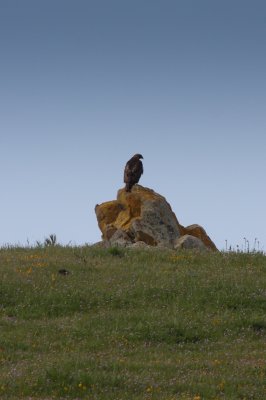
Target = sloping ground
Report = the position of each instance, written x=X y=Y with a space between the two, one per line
x=131 y=324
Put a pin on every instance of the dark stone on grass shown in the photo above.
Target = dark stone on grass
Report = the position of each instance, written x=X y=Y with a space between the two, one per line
x=63 y=271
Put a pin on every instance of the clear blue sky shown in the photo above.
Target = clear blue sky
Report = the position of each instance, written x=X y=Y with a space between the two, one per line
x=85 y=84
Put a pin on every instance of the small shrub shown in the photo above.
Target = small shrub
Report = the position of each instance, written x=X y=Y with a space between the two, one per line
x=115 y=251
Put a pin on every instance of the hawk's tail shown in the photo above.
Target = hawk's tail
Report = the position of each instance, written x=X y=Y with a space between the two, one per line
x=128 y=187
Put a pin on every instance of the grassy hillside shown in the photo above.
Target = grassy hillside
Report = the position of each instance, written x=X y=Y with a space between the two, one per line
x=131 y=324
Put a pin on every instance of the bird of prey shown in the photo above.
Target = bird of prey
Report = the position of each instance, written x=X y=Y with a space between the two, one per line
x=133 y=171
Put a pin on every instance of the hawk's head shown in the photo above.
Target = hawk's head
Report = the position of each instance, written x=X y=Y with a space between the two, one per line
x=139 y=156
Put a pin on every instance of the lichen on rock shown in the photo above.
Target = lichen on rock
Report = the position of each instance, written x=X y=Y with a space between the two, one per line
x=143 y=215
x=189 y=242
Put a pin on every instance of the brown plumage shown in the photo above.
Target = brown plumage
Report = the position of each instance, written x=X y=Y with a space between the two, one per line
x=133 y=171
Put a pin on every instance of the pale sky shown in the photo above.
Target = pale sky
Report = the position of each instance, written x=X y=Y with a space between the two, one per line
x=86 y=84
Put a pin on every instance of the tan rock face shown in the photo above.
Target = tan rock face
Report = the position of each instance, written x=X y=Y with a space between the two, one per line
x=143 y=216
x=199 y=232
x=189 y=242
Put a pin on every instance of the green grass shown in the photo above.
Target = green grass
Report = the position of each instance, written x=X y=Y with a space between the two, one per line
x=127 y=324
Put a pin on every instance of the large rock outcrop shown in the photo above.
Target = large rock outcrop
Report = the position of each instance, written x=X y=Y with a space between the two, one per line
x=143 y=217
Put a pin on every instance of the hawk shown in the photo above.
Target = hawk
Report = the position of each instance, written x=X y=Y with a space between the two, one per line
x=133 y=171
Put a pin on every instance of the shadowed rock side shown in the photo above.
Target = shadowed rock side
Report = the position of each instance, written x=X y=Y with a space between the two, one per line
x=144 y=217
